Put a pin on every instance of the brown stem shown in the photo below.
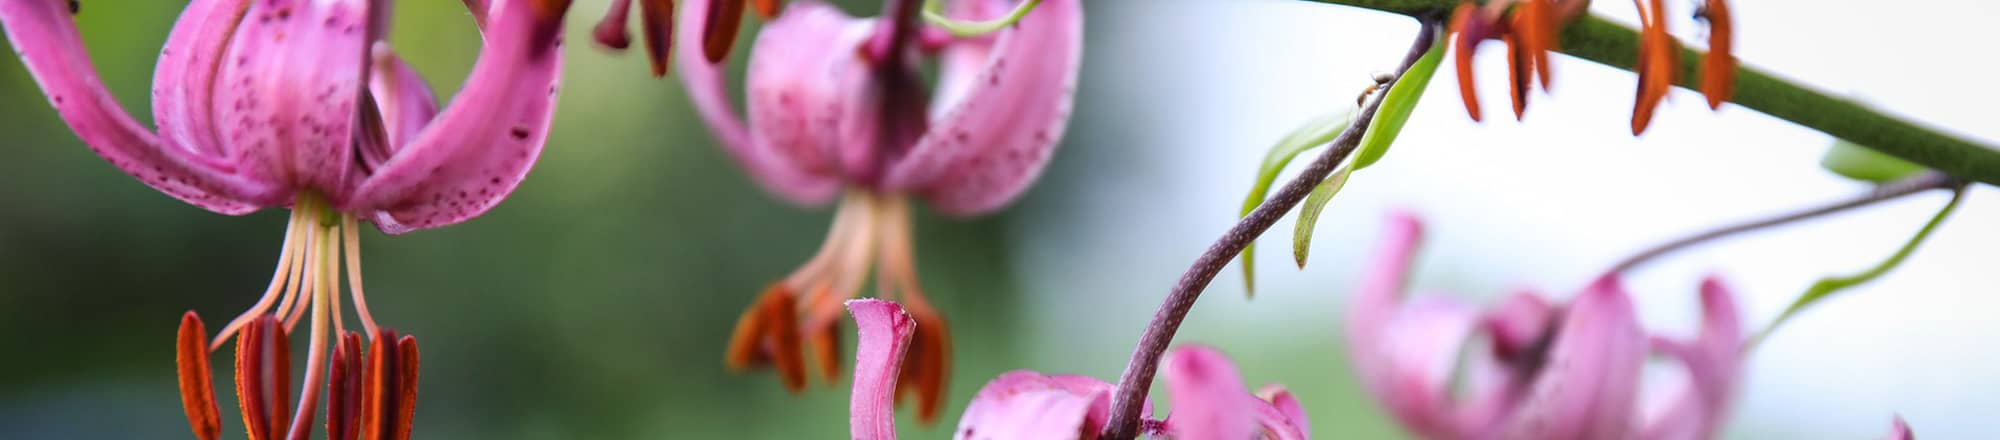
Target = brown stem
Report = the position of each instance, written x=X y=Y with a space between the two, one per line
x=1888 y=191
x=1138 y=376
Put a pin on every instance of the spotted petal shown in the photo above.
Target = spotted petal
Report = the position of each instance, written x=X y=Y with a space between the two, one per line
x=291 y=89
x=47 y=41
x=883 y=337
x=1028 y=405
x=1003 y=102
x=1210 y=402
x=1591 y=381
x=768 y=165
x=480 y=148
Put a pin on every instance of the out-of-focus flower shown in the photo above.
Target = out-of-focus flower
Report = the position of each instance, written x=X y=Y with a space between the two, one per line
x=1898 y=430
x=303 y=104
x=1552 y=371
x=1209 y=399
x=1530 y=29
x=837 y=102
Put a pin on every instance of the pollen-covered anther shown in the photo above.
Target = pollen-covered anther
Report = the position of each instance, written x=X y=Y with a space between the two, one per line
x=389 y=387
x=1718 y=67
x=197 y=386
x=263 y=371
x=929 y=361
x=768 y=335
x=343 y=397
x=768 y=8
x=725 y=18
x=610 y=30
x=824 y=336
x=1463 y=45
x=1659 y=60
x=658 y=16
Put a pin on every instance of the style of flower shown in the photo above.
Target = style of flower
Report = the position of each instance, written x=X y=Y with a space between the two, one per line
x=1209 y=399
x=837 y=102
x=1529 y=28
x=1552 y=372
x=302 y=104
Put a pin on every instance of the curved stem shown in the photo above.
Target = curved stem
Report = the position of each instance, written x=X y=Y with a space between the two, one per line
x=1138 y=375
x=1605 y=42
x=1889 y=191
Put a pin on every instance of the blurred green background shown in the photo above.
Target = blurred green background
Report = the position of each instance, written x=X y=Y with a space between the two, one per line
x=593 y=303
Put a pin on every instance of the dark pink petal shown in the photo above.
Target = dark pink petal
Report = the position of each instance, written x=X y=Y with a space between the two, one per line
x=184 y=79
x=1590 y=384
x=811 y=96
x=1714 y=362
x=46 y=39
x=404 y=105
x=477 y=151
x=1002 y=105
x=1282 y=417
x=1210 y=402
x=1028 y=405
x=769 y=166
x=883 y=331
x=290 y=89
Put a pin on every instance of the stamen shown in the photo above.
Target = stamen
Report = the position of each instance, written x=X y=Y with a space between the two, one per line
x=929 y=358
x=719 y=29
x=197 y=386
x=343 y=399
x=289 y=252
x=309 y=274
x=1718 y=68
x=390 y=387
x=322 y=295
x=1462 y=48
x=1520 y=72
x=767 y=8
x=263 y=366
x=658 y=22
x=352 y=237
x=610 y=30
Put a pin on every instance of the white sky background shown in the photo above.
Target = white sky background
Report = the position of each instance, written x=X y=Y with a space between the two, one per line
x=1181 y=98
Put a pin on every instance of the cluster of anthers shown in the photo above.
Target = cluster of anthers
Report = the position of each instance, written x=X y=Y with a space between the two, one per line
x=1531 y=30
x=372 y=396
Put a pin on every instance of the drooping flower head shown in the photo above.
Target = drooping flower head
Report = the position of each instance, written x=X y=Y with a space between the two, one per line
x=303 y=104
x=1530 y=29
x=1552 y=371
x=1209 y=399
x=837 y=106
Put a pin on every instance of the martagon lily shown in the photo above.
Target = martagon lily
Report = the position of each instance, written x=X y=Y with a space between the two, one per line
x=1210 y=401
x=836 y=106
x=302 y=104
x=1551 y=371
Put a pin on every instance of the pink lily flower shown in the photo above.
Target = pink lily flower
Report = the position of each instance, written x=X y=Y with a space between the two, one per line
x=1553 y=372
x=303 y=104
x=836 y=102
x=1210 y=402
x=1898 y=430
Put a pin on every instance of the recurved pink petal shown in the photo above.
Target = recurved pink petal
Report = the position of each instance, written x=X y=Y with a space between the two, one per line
x=1280 y=414
x=811 y=96
x=883 y=331
x=1002 y=104
x=1024 y=404
x=1714 y=363
x=1589 y=385
x=46 y=39
x=479 y=148
x=1380 y=294
x=769 y=166
x=1409 y=368
x=1210 y=402
x=403 y=105
x=184 y=79
x=290 y=90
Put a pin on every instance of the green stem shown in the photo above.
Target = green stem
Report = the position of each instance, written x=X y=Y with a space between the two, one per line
x=1826 y=287
x=1605 y=42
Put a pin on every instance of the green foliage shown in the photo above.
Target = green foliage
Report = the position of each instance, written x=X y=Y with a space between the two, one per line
x=1857 y=162
x=1397 y=105
x=1302 y=233
x=933 y=13
x=1826 y=287
x=1319 y=131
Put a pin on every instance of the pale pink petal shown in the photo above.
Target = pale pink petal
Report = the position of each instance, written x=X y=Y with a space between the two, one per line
x=1283 y=418
x=404 y=104
x=290 y=90
x=46 y=39
x=812 y=98
x=1210 y=402
x=1409 y=369
x=1714 y=363
x=1375 y=302
x=1002 y=106
x=705 y=86
x=477 y=151
x=1590 y=383
x=1024 y=404
x=1900 y=431
x=883 y=331
x=184 y=79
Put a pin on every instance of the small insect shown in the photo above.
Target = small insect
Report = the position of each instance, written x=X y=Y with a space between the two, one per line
x=1381 y=79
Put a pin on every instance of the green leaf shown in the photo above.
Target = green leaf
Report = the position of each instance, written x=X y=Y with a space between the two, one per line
x=1319 y=131
x=1396 y=107
x=1302 y=233
x=933 y=13
x=1828 y=286
x=1857 y=162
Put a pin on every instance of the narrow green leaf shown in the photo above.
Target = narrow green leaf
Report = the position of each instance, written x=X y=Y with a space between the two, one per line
x=1857 y=162
x=933 y=13
x=1397 y=105
x=1316 y=132
x=1826 y=287
x=1302 y=233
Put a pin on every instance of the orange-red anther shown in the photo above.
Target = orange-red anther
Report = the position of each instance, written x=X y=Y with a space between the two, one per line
x=1520 y=72
x=1718 y=68
x=263 y=372
x=197 y=386
x=1462 y=57
x=767 y=8
x=718 y=33
x=1659 y=59
x=825 y=342
x=928 y=364
x=1535 y=24
x=389 y=387
x=768 y=334
x=658 y=18
x=406 y=390
x=610 y=30
x=343 y=397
